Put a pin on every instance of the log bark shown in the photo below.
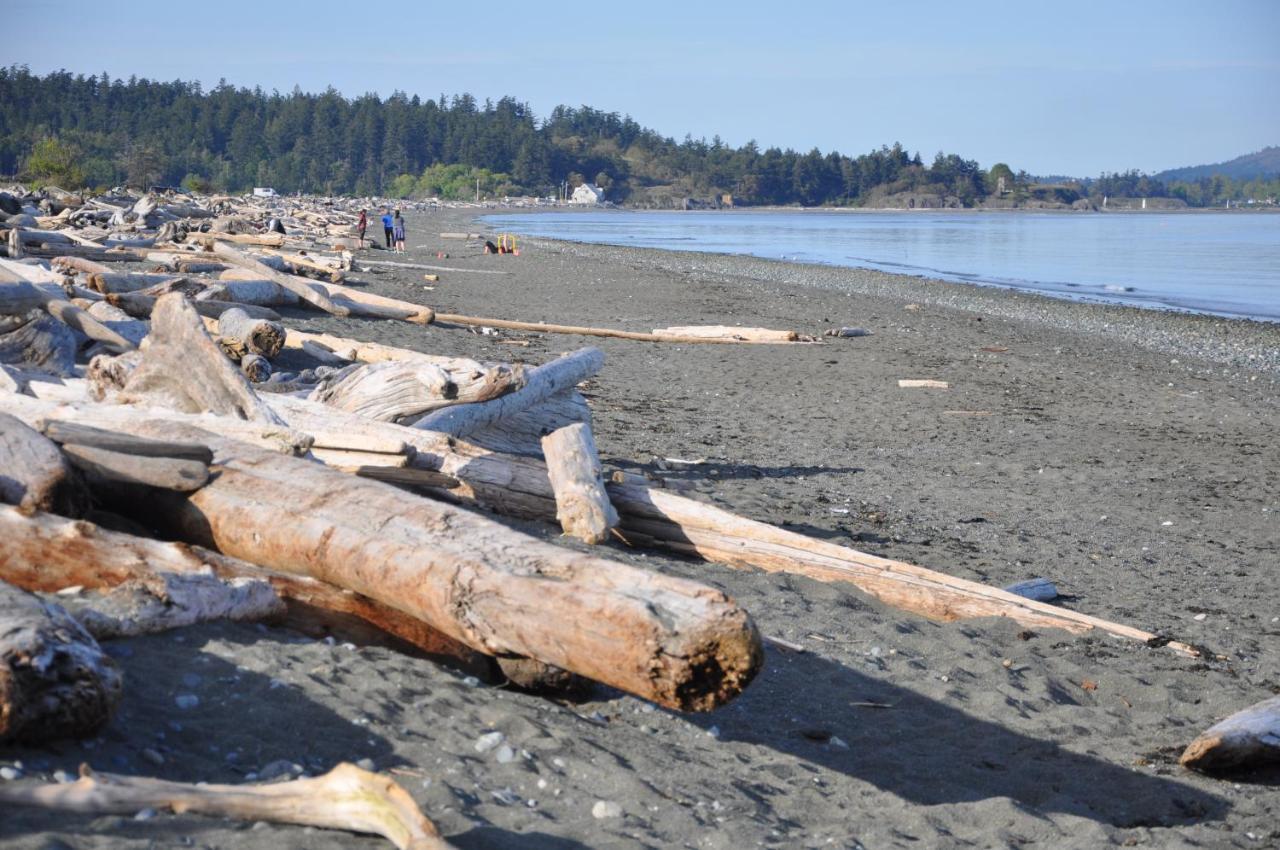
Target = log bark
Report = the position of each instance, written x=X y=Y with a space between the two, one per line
x=187 y=371
x=255 y=367
x=259 y=336
x=1246 y=739
x=680 y=644
x=345 y=798
x=540 y=383
x=295 y=285
x=33 y=473
x=55 y=681
x=573 y=465
x=48 y=553
x=43 y=344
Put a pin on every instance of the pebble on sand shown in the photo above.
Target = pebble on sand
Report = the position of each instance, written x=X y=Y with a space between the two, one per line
x=185 y=701
x=606 y=809
x=489 y=741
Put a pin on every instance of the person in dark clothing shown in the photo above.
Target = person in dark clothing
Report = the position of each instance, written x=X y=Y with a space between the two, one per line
x=361 y=226
x=397 y=232
x=387 y=226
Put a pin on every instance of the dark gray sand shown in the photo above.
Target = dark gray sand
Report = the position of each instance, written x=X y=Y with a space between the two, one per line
x=1129 y=456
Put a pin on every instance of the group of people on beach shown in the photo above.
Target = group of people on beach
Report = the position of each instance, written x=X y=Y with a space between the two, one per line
x=392 y=228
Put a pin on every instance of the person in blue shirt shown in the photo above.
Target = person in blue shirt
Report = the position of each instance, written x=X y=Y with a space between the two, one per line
x=387 y=226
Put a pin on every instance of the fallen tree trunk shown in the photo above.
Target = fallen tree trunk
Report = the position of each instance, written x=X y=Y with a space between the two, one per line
x=344 y=798
x=394 y=390
x=55 y=681
x=361 y=303
x=127 y=281
x=141 y=306
x=43 y=344
x=1248 y=738
x=522 y=433
x=259 y=336
x=540 y=383
x=582 y=506
x=169 y=473
x=675 y=642
x=263 y=293
x=33 y=473
x=539 y=327
x=48 y=553
x=298 y=286
x=728 y=333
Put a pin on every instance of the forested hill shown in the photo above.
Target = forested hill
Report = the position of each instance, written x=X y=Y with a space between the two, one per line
x=1262 y=164
x=73 y=130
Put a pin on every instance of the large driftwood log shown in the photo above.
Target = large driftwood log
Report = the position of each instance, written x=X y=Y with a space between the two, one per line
x=33 y=473
x=18 y=297
x=728 y=333
x=573 y=465
x=115 y=441
x=541 y=327
x=187 y=371
x=394 y=390
x=140 y=306
x=54 y=679
x=540 y=383
x=43 y=344
x=169 y=473
x=259 y=336
x=345 y=798
x=299 y=287
x=264 y=293
x=47 y=553
x=522 y=433
x=1248 y=738
x=680 y=644
x=110 y=282
x=255 y=367
x=362 y=303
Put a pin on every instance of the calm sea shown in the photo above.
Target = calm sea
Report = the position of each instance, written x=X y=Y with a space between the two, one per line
x=1222 y=263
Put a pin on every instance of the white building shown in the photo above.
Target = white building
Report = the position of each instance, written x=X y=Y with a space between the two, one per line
x=587 y=194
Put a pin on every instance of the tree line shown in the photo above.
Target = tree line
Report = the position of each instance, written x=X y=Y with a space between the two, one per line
x=95 y=131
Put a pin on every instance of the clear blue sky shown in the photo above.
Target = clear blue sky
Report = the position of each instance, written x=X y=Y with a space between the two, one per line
x=1070 y=88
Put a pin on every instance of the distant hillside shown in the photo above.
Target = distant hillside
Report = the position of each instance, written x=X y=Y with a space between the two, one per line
x=1265 y=163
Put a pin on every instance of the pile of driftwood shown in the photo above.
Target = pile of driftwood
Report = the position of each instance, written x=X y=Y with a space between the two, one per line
x=160 y=474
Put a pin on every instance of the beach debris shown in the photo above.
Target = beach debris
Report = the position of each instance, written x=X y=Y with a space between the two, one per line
x=573 y=467
x=913 y=383
x=36 y=475
x=1039 y=589
x=605 y=809
x=345 y=798
x=847 y=333
x=405 y=390
x=994 y=349
x=250 y=335
x=55 y=681
x=725 y=332
x=1248 y=738
x=720 y=335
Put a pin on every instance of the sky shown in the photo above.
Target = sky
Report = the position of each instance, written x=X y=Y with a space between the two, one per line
x=1068 y=88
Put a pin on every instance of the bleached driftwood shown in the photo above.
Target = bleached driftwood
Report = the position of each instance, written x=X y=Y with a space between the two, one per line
x=43 y=344
x=678 y=643
x=728 y=333
x=295 y=285
x=541 y=327
x=140 y=306
x=259 y=336
x=396 y=390
x=1248 y=738
x=264 y=293
x=522 y=433
x=185 y=370
x=55 y=681
x=346 y=798
x=33 y=473
x=540 y=383
x=573 y=465
x=168 y=473
x=255 y=367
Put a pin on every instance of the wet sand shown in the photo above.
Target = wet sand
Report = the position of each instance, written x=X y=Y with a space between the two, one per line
x=1129 y=456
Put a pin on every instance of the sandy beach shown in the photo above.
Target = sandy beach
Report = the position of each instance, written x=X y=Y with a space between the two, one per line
x=1129 y=456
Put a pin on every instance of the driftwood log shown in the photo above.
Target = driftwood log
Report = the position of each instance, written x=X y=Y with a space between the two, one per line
x=678 y=643
x=522 y=433
x=259 y=336
x=345 y=798
x=34 y=475
x=540 y=327
x=297 y=286
x=43 y=344
x=1248 y=738
x=573 y=465
x=55 y=681
x=392 y=391
x=140 y=306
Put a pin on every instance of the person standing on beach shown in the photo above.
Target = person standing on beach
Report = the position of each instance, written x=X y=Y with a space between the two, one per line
x=386 y=225
x=361 y=226
x=398 y=232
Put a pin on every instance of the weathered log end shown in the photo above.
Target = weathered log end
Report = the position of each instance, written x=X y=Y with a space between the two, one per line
x=1247 y=739
x=55 y=681
x=703 y=669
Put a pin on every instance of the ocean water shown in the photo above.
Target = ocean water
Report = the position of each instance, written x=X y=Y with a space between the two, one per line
x=1221 y=263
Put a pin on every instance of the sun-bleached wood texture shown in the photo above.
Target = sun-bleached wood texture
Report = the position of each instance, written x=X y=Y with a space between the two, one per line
x=184 y=369
x=255 y=367
x=109 y=282
x=573 y=465
x=55 y=681
x=169 y=473
x=522 y=433
x=166 y=601
x=728 y=333
x=678 y=643
x=696 y=528
x=47 y=553
x=259 y=336
x=540 y=383
x=140 y=306
x=115 y=441
x=362 y=303
x=269 y=240
x=1248 y=738
x=298 y=286
x=540 y=327
x=346 y=798
x=263 y=293
x=394 y=390
x=43 y=344
x=34 y=475
x=18 y=297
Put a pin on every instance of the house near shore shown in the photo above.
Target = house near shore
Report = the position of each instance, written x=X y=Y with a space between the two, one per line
x=587 y=194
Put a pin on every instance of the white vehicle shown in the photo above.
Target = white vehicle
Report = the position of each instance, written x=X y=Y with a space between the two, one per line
x=264 y=192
